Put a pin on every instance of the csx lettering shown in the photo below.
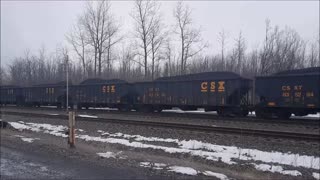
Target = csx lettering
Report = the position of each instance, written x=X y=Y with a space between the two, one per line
x=285 y=94
x=221 y=86
x=204 y=86
x=213 y=86
x=113 y=88
x=297 y=94
x=108 y=89
x=286 y=88
x=309 y=94
x=50 y=90
x=298 y=88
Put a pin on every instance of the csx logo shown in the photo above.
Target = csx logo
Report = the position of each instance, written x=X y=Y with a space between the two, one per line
x=108 y=89
x=288 y=88
x=213 y=85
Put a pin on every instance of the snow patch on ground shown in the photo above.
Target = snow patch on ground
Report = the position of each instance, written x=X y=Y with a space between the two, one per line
x=316 y=175
x=214 y=174
x=310 y=116
x=183 y=170
x=29 y=140
x=56 y=130
x=87 y=116
x=54 y=114
x=20 y=127
x=107 y=155
x=278 y=169
x=138 y=137
x=218 y=152
x=226 y=154
x=157 y=166
x=111 y=155
x=19 y=136
x=105 y=108
x=199 y=111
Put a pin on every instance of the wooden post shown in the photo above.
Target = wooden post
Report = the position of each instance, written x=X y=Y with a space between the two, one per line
x=72 y=122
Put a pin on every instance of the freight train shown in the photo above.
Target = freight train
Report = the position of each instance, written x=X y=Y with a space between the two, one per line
x=278 y=95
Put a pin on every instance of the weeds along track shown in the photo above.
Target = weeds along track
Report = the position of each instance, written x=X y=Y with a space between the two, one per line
x=191 y=127
x=206 y=116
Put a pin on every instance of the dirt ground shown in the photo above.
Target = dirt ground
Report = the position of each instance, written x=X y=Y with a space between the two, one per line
x=51 y=157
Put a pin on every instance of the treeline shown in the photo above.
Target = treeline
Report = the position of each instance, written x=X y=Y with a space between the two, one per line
x=101 y=49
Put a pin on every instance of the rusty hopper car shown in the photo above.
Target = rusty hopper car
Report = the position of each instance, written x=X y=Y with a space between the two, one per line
x=113 y=93
x=224 y=92
x=290 y=92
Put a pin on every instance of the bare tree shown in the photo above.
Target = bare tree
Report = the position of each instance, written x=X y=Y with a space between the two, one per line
x=222 y=39
x=267 y=48
x=169 y=55
x=78 y=39
x=283 y=50
x=146 y=19
x=314 y=56
x=102 y=31
x=157 y=37
x=189 y=37
x=250 y=65
x=4 y=78
x=240 y=50
x=114 y=38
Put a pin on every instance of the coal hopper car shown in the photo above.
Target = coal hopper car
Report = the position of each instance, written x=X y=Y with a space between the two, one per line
x=224 y=92
x=289 y=92
x=114 y=93
x=11 y=95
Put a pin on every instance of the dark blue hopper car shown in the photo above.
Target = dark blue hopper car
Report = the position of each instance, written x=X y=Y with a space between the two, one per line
x=11 y=95
x=224 y=92
x=113 y=93
x=290 y=92
x=44 y=94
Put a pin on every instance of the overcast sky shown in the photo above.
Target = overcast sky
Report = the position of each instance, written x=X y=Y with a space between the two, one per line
x=30 y=25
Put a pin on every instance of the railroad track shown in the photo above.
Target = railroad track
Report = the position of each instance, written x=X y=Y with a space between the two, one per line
x=296 y=121
x=191 y=127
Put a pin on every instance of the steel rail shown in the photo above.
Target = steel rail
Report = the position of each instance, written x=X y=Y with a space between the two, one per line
x=299 y=121
x=218 y=129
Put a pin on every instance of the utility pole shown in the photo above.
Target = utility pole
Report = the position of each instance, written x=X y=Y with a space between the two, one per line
x=67 y=86
x=71 y=114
